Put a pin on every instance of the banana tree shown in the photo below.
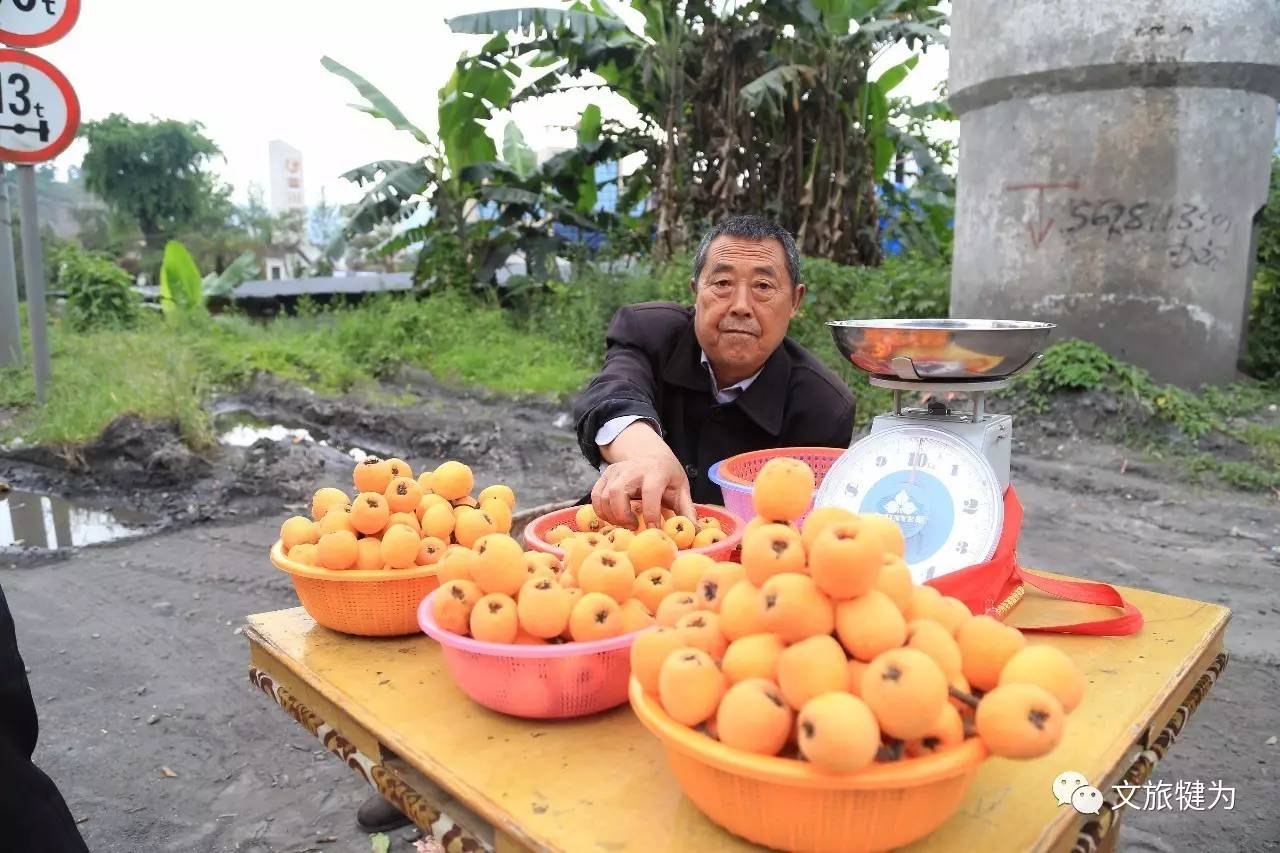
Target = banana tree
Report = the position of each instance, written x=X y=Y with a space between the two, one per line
x=472 y=207
x=763 y=105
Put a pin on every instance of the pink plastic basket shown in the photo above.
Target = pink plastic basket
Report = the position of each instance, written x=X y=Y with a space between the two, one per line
x=539 y=682
x=724 y=550
x=735 y=475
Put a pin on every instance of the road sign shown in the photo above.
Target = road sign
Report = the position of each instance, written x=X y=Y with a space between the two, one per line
x=35 y=23
x=39 y=112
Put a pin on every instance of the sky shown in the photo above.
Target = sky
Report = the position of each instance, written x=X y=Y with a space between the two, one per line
x=250 y=72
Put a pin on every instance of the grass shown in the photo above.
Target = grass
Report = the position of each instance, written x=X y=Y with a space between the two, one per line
x=167 y=370
x=97 y=376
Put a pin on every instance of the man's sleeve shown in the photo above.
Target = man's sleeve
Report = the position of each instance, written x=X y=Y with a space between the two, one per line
x=625 y=386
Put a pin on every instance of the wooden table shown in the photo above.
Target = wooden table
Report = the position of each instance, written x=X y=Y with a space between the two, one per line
x=479 y=780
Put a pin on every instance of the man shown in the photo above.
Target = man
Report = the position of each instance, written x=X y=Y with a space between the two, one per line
x=683 y=388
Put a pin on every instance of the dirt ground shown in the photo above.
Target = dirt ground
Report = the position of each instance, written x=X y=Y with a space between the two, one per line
x=138 y=664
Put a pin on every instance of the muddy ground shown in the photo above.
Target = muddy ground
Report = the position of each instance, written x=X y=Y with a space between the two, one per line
x=137 y=662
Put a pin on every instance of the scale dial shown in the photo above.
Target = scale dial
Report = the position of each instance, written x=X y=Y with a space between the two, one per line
x=941 y=491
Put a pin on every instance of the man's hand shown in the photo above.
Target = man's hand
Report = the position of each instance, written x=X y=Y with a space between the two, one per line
x=642 y=467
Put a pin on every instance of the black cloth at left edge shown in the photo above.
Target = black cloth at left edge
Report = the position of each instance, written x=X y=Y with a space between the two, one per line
x=33 y=815
x=653 y=369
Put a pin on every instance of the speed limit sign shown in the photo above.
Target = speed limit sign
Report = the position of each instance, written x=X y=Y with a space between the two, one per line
x=35 y=23
x=39 y=113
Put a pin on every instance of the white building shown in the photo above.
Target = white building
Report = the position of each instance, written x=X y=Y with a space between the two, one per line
x=288 y=195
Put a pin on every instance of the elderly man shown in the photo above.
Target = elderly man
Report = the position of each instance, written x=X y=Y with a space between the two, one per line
x=683 y=388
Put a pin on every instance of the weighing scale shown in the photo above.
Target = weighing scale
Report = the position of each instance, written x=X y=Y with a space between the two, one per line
x=939 y=470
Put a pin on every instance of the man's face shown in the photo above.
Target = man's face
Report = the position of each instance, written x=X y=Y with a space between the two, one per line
x=744 y=300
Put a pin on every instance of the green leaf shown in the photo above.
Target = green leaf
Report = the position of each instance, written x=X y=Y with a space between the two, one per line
x=181 y=290
x=836 y=14
x=892 y=77
x=399 y=181
x=516 y=154
x=379 y=105
x=875 y=107
x=589 y=125
x=884 y=151
x=528 y=19
x=380 y=843
x=242 y=269
x=772 y=88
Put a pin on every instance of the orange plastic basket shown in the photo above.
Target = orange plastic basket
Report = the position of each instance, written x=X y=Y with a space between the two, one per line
x=366 y=602
x=724 y=550
x=792 y=805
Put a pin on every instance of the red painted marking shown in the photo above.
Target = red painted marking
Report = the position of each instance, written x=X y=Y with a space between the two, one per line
x=1041 y=228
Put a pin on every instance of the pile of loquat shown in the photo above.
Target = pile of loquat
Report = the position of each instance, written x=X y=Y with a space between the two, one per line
x=819 y=646
x=396 y=521
x=498 y=594
x=654 y=546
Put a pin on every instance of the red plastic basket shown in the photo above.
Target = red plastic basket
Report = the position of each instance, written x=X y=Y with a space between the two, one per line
x=535 y=533
x=736 y=474
x=538 y=682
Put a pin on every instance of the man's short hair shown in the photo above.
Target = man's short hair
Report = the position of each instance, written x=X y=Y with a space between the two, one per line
x=750 y=228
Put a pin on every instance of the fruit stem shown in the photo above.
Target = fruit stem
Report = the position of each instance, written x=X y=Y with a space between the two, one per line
x=891 y=751
x=967 y=698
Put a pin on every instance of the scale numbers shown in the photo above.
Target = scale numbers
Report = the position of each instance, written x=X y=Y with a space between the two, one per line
x=940 y=491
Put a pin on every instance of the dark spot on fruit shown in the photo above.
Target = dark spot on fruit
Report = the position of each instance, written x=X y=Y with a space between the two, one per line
x=602 y=616
x=773 y=697
x=691 y=656
x=457 y=592
x=608 y=561
x=891 y=673
x=697 y=622
x=542 y=584
x=495 y=606
x=709 y=589
x=931 y=743
x=779 y=547
x=770 y=600
x=806 y=728
x=656 y=580
x=402 y=489
x=1038 y=718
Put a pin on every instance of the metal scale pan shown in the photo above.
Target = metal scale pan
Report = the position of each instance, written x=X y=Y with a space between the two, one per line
x=939 y=472
x=941 y=350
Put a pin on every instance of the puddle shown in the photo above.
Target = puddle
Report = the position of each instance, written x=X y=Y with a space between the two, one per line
x=242 y=428
x=46 y=521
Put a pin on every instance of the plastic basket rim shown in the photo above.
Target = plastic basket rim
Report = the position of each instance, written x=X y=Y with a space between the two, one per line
x=726 y=485
x=905 y=773
x=727 y=544
x=448 y=639
x=284 y=564
x=730 y=479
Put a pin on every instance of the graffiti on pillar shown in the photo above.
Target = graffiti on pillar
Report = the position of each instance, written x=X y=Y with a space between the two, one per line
x=1042 y=226
x=1195 y=232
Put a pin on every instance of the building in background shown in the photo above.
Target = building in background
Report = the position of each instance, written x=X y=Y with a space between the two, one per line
x=291 y=258
x=287 y=190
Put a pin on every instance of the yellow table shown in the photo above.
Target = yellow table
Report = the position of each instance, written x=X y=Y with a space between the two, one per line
x=478 y=780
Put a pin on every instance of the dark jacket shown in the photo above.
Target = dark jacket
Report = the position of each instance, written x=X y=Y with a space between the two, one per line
x=653 y=368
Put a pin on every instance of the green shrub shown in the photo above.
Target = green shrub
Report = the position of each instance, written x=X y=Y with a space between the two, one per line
x=1262 y=347
x=99 y=293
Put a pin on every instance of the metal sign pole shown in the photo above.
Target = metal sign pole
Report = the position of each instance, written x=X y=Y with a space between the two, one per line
x=10 y=322
x=33 y=276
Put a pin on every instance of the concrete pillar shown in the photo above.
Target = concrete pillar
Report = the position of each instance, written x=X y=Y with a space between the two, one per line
x=1112 y=159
